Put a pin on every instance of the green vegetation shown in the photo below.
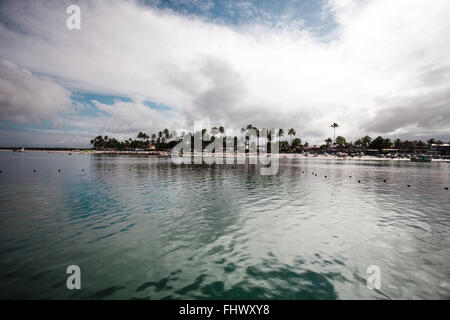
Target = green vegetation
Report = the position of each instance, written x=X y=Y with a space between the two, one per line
x=166 y=140
x=163 y=140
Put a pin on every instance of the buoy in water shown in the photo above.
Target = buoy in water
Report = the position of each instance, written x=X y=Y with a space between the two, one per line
x=384 y=181
x=59 y=170
x=325 y=177
x=34 y=171
x=359 y=181
x=446 y=188
x=409 y=186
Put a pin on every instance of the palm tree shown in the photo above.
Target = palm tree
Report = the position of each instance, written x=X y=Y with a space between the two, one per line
x=366 y=141
x=250 y=133
x=251 y=127
x=248 y=128
x=292 y=132
x=328 y=141
x=334 y=126
x=166 y=133
x=160 y=138
x=142 y=136
x=99 y=142
x=340 y=141
x=296 y=143
x=281 y=133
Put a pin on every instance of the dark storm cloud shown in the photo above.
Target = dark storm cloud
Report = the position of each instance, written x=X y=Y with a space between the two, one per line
x=26 y=98
x=429 y=114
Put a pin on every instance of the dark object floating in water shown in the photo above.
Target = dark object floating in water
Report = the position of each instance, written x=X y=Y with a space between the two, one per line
x=384 y=181
x=34 y=171
x=350 y=177
x=446 y=188
x=421 y=159
x=59 y=170
x=359 y=181
x=325 y=177
x=409 y=186
x=1 y=171
x=82 y=170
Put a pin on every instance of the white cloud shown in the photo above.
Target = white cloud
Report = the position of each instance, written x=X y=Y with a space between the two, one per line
x=127 y=118
x=27 y=98
x=383 y=54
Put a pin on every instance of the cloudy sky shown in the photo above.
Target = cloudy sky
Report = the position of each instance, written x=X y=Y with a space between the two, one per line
x=377 y=67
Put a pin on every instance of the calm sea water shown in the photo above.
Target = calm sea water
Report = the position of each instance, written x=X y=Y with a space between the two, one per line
x=143 y=228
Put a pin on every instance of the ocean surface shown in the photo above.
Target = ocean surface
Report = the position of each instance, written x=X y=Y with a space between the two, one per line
x=143 y=228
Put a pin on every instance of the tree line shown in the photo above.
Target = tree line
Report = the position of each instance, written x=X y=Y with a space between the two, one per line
x=166 y=140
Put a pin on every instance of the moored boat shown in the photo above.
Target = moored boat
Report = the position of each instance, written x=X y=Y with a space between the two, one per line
x=421 y=159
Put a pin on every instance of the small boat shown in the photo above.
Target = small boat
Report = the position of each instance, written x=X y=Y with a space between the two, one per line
x=420 y=159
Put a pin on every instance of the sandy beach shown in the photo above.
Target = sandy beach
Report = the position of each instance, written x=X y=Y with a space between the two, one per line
x=249 y=155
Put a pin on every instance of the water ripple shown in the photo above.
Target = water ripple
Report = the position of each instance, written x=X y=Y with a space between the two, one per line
x=141 y=228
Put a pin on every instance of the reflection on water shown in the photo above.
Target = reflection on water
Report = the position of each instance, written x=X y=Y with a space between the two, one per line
x=141 y=227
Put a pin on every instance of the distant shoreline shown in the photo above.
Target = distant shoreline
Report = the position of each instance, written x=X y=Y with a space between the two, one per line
x=167 y=153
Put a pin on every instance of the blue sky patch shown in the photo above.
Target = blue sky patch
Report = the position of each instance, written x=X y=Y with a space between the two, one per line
x=306 y=14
